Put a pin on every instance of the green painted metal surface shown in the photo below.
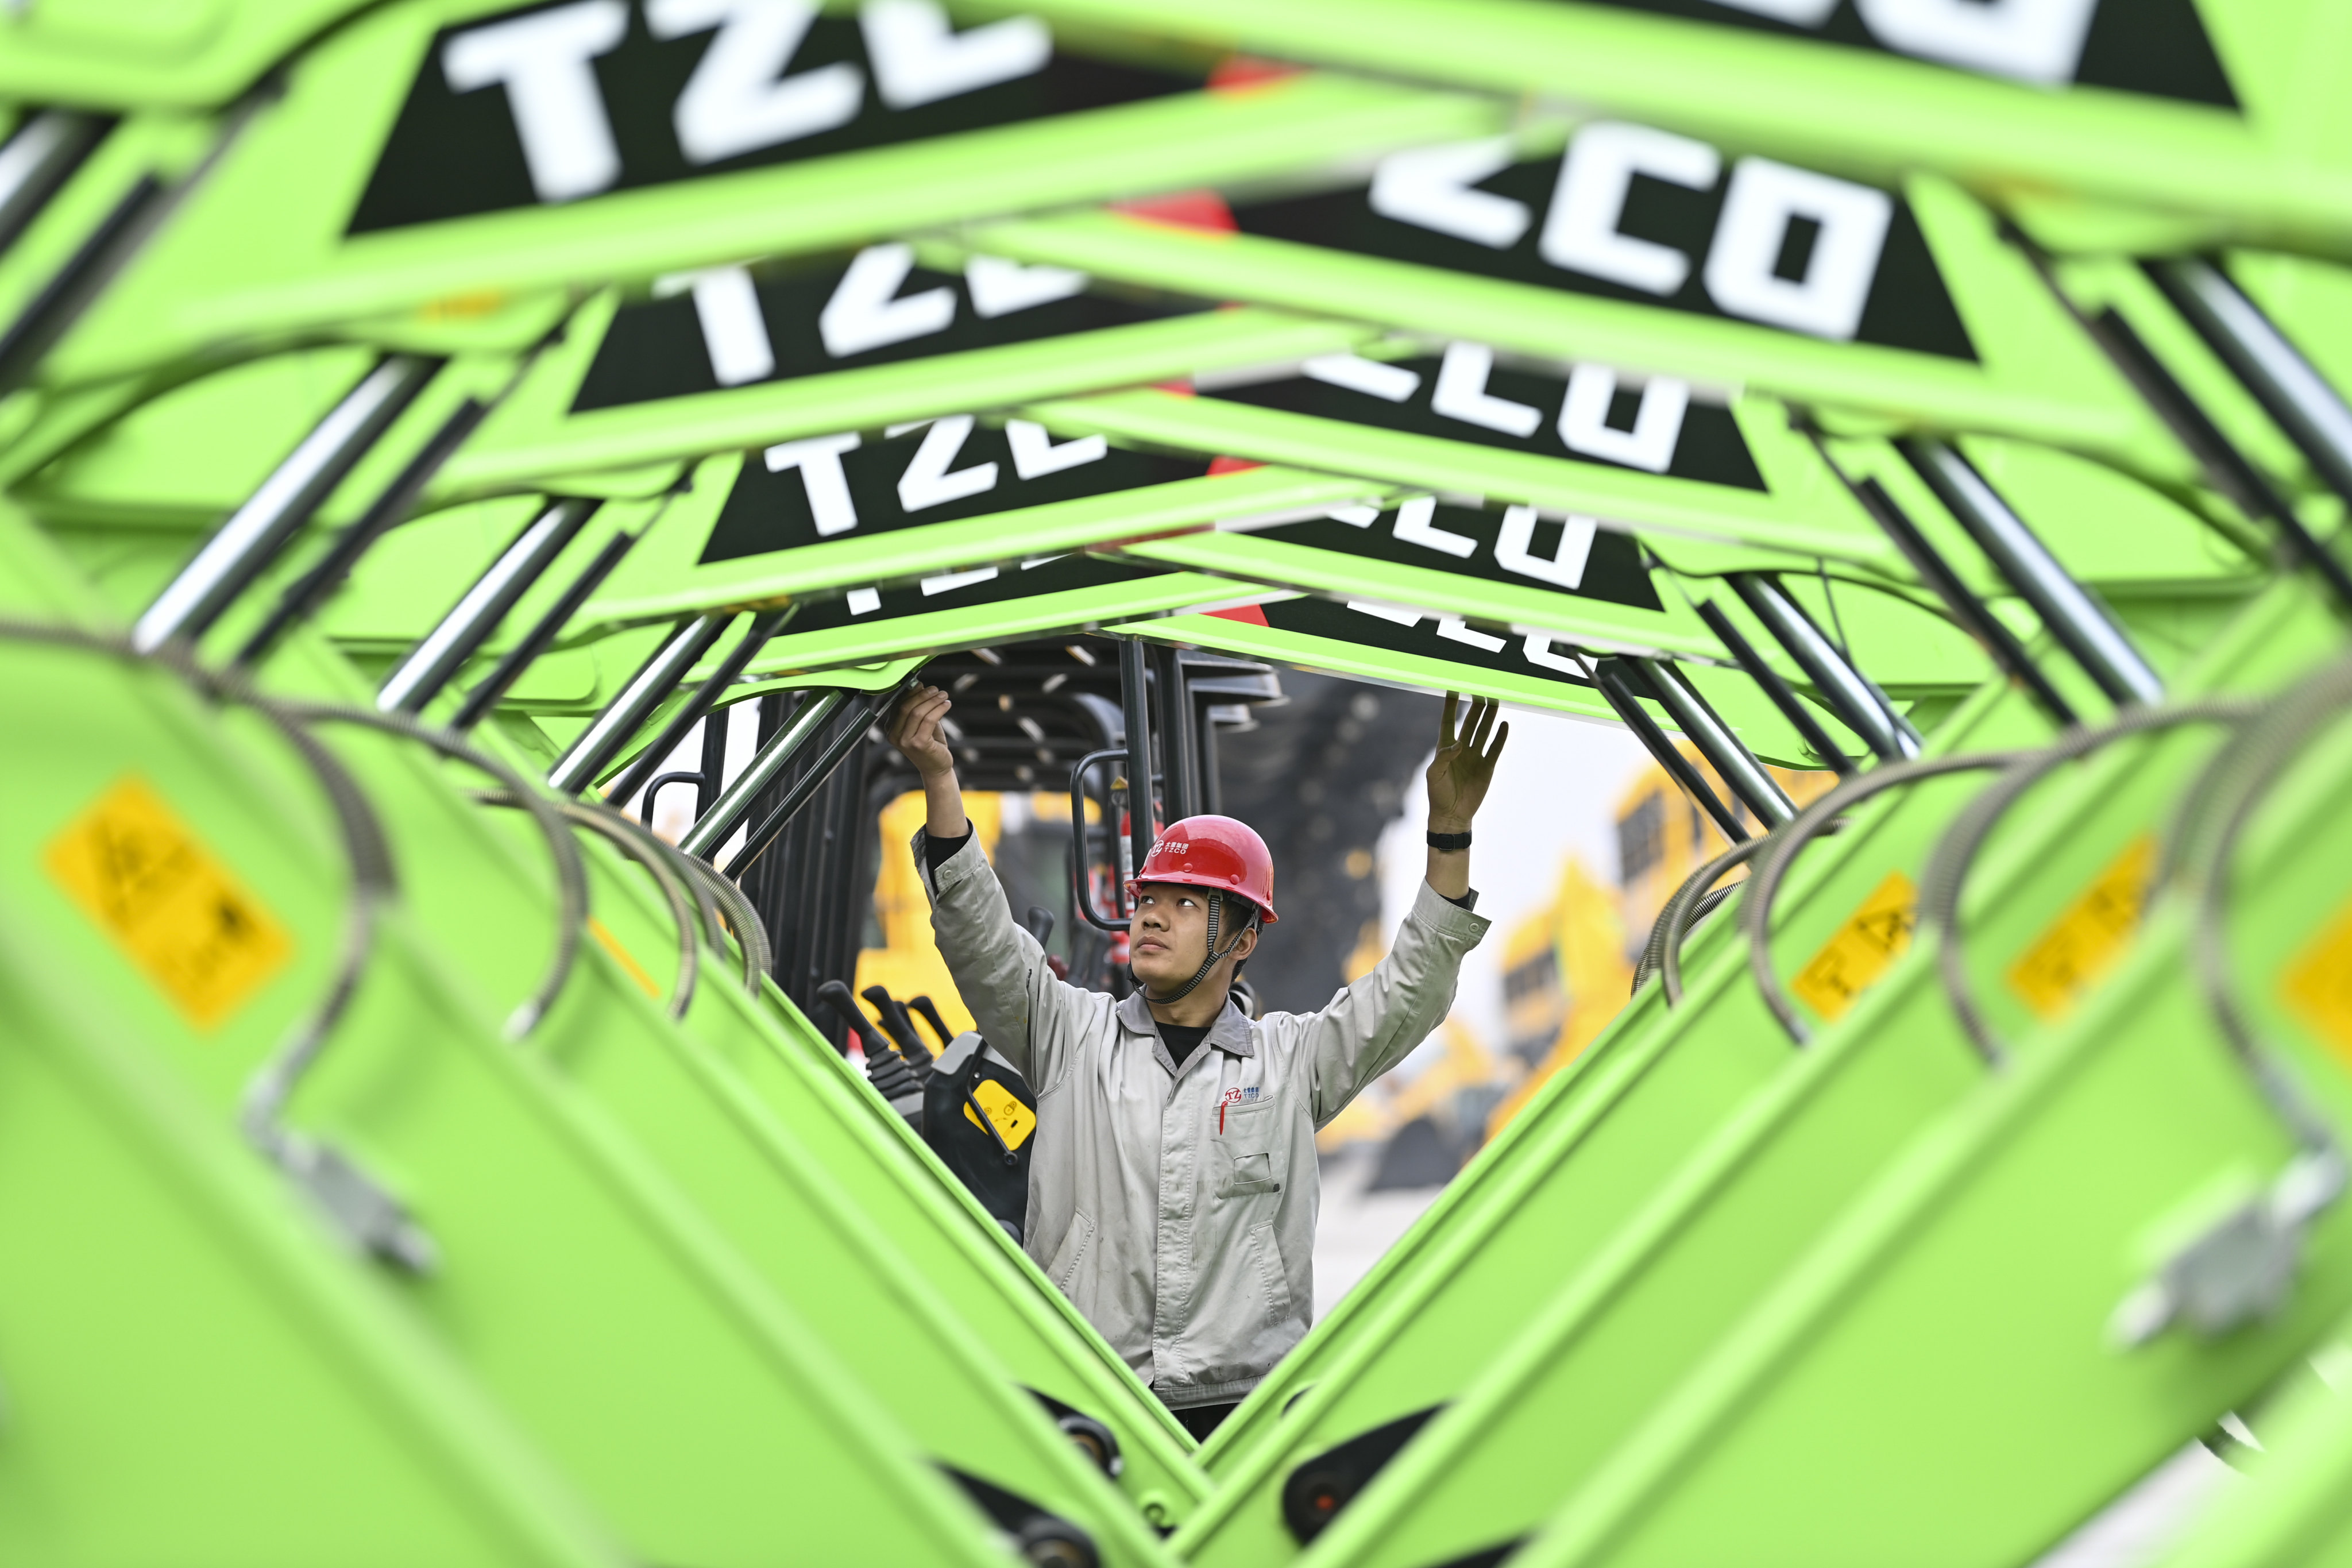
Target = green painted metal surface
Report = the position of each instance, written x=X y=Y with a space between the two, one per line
x=1442 y=385
x=126 y=54
x=1445 y=1299
x=194 y=1371
x=1737 y=475
x=2199 y=120
x=916 y=1243
x=815 y=1248
x=395 y=214
x=1575 y=1165
x=1988 y=1236
x=731 y=1110
x=2292 y=1511
x=164 y=147
x=2007 y=360
x=638 y=381
x=747 y=532
x=575 y=1279
x=1616 y=1339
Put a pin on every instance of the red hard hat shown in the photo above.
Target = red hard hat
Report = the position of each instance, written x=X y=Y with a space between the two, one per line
x=1212 y=852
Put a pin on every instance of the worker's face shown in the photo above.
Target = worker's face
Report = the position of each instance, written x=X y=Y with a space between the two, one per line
x=1170 y=934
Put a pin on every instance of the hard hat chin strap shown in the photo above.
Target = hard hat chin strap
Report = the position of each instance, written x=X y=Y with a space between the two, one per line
x=1216 y=906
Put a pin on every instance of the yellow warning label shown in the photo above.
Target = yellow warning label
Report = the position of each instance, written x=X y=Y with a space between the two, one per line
x=2088 y=935
x=1858 y=953
x=1014 y=1122
x=151 y=885
x=622 y=956
x=2318 y=983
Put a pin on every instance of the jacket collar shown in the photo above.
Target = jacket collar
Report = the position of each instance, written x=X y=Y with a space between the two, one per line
x=1230 y=1033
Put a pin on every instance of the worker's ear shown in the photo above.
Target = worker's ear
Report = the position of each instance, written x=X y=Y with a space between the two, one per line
x=1248 y=943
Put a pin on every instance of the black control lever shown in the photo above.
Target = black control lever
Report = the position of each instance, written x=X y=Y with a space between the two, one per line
x=860 y=1026
x=931 y=1013
x=884 y=1069
x=900 y=1028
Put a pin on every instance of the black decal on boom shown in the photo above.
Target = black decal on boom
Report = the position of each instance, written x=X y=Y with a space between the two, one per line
x=964 y=590
x=655 y=348
x=1610 y=568
x=1345 y=624
x=1908 y=305
x=769 y=509
x=1708 y=447
x=452 y=155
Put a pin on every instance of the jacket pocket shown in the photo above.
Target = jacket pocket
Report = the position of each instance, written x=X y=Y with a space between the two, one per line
x=1275 y=1279
x=1248 y=1173
x=1071 y=1256
x=1247 y=1159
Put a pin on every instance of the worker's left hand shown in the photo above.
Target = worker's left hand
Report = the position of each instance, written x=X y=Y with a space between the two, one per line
x=1464 y=764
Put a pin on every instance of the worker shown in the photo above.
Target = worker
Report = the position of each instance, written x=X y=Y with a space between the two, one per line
x=1173 y=1191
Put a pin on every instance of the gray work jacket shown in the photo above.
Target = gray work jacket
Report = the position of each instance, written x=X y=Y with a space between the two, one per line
x=1176 y=1207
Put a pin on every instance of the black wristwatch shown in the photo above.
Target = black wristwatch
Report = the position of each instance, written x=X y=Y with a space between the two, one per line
x=1449 y=842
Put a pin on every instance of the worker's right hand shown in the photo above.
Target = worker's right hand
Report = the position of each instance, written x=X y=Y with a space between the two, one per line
x=915 y=730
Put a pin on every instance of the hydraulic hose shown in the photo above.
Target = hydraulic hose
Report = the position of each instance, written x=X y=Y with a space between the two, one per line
x=2241 y=1265
x=705 y=901
x=750 y=931
x=1947 y=868
x=603 y=820
x=2247 y=774
x=1781 y=851
x=720 y=904
x=1684 y=908
x=571 y=876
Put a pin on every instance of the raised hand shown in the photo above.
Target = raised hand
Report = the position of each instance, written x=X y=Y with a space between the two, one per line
x=1464 y=764
x=915 y=730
